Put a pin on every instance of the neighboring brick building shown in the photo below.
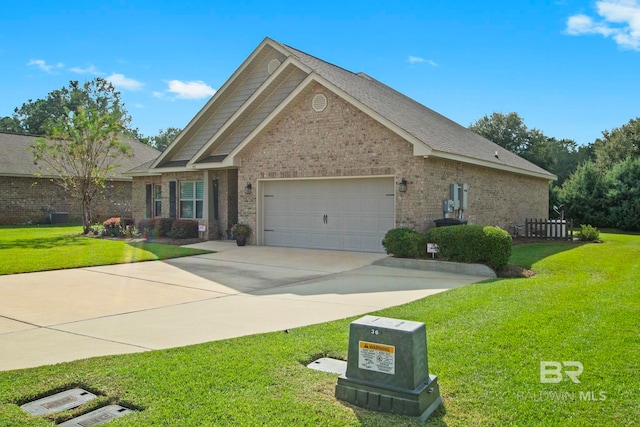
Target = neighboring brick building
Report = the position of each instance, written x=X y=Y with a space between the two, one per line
x=28 y=198
x=312 y=155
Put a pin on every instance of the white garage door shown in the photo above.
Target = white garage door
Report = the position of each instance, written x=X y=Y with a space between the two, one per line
x=345 y=214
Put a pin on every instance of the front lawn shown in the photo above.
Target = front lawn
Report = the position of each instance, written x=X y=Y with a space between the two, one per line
x=486 y=342
x=40 y=248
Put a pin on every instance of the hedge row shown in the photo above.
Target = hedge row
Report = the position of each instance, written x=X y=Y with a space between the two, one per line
x=168 y=227
x=467 y=243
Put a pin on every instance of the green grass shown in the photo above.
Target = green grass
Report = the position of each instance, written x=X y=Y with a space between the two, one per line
x=41 y=248
x=486 y=342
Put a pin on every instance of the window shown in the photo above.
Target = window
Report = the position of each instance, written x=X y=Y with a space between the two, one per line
x=157 y=200
x=191 y=199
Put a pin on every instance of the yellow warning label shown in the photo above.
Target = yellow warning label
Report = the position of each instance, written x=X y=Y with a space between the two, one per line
x=377 y=357
x=377 y=347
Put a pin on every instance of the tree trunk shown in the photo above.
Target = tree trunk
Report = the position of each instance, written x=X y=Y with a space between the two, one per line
x=86 y=217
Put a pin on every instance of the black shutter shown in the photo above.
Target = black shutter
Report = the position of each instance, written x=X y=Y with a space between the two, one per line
x=215 y=198
x=172 y=199
x=148 y=201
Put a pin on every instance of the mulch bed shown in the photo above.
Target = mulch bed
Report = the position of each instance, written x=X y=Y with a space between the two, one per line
x=161 y=240
x=515 y=272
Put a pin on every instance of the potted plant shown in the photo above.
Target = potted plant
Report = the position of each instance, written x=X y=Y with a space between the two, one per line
x=241 y=232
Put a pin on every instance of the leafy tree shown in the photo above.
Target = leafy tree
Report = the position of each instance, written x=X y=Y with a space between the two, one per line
x=35 y=117
x=618 y=144
x=562 y=156
x=10 y=124
x=623 y=181
x=164 y=138
x=81 y=147
x=584 y=195
x=508 y=131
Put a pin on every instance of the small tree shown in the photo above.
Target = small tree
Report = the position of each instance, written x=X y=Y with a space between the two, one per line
x=623 y=183
x=81 y=147
x=585 y=196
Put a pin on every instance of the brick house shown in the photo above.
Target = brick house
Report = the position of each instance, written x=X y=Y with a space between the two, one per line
x=312 y=155
x=27 y=198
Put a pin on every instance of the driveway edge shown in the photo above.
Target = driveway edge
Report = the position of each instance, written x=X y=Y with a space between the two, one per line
x=432 y=265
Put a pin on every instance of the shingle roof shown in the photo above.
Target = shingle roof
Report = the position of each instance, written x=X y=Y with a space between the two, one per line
x=17 y=160
x=439 y=133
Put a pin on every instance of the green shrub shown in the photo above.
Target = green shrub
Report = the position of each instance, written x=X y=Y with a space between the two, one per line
x=473 y=243
x=113 y=227
x=156 y=227
x=241 y=230
x=588 y=233
x=405 y=242
x=183 y=229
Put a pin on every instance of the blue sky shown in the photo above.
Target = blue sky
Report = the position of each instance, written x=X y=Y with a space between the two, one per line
x=569 y=68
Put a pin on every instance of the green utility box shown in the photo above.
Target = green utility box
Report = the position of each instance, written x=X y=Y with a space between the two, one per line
x=387 y=368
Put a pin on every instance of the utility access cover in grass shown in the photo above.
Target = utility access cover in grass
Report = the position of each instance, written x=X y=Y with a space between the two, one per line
x=62 y=401
x=97 y=417
x=327 y=364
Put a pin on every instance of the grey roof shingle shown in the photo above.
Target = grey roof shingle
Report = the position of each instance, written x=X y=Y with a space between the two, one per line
x=431 y=128
x=17 y=160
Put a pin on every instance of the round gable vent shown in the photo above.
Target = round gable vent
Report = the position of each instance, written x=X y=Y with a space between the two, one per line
x=319 y=103
x=273 y=65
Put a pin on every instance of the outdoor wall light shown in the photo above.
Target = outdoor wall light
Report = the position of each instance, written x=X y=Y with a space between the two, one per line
x=402 y=187
x=247 y=189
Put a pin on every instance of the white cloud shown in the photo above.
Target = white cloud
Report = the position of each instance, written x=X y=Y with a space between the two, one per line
x=620 y=20
x=420 y=60
x=190 y=90
x=122 y=82
x=42 y=64
x=89 y=70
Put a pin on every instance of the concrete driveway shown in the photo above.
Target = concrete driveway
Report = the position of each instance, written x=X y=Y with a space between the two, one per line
x=59 y=316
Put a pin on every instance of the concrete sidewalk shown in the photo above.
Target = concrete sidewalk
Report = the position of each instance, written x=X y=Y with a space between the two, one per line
x=65 y=315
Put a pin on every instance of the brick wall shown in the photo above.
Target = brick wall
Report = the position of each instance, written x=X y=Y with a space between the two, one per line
x=344 y=141
x=24 y=200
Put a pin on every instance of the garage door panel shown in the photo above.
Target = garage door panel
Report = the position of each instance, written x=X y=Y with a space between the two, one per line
x=348 y=214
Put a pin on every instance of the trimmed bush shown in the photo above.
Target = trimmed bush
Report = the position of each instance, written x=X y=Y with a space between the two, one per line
x=405 y=242
x=156 y=227
x=588 y=233
x=183 y=229
x=473 y=243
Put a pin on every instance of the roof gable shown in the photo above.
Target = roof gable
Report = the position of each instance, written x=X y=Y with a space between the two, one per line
x=244 y=82
x=443 y=137
x=17 y=160
x=246 y=103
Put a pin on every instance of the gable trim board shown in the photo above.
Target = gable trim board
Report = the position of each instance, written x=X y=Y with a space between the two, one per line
x=363 y=116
